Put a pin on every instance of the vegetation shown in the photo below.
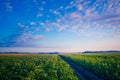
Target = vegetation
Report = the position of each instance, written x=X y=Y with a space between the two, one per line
x=34 y=67
x=52 y=67
x=107 y=66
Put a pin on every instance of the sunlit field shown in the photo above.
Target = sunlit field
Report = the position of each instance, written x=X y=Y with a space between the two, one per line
x=107 y=66
x=53 y=67
x=34 y=67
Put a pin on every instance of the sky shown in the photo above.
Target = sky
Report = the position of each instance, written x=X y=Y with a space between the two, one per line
x=59 y=25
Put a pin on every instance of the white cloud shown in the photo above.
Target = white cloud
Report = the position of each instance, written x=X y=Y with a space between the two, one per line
x=79 y=7
x=37 y=37
x=89 y=15
x=47 y=29
x=71 y=3
x=37 y=29
x=21 y=25
x=78 y=21
x=61 y=7
x=60 y=28
x=75 y=27
x=22 y=39
x=39 y=15
x=54 y=11
x=41 y=24
x=8 y=7
x=32 y=23
x=112 y=19
x=88 y=12
x=74 y=15
x=69 y=6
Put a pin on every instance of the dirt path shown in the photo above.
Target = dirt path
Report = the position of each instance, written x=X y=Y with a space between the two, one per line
x=82 y=73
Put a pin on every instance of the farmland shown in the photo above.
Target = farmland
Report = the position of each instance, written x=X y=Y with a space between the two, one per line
x=34 y=67
x=106 y=66
x=54 y=67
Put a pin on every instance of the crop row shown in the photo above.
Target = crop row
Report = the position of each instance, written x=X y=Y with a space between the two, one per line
x=106 y=66
x=35 y=67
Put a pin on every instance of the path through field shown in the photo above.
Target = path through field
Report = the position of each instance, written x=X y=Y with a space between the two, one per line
x=82 y=73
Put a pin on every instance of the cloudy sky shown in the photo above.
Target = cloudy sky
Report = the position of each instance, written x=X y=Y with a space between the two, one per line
x=59 y=25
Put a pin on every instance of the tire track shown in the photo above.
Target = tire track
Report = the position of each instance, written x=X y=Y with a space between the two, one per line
x=82 y=73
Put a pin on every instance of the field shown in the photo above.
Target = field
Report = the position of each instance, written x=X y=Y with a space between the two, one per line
x=106 y=66
x=34 y=67
x=54 y=67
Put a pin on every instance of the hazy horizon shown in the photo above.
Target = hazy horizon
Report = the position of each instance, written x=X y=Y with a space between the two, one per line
x=32 y=50
x=59 y=25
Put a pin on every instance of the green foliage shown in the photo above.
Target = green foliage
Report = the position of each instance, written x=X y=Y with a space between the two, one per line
x=106 y=66
x=34 y=67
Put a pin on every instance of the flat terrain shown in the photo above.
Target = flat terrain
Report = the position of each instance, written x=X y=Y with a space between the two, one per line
x=105 y=66
x=60 y=67
x=83 y=74
x=34 y=67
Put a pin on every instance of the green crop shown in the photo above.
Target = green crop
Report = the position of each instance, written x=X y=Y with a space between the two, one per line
x=106 y=66
x=34 y=67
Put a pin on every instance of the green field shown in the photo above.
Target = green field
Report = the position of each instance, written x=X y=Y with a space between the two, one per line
x=52 y=67
x=106 y=66
x=34 y=67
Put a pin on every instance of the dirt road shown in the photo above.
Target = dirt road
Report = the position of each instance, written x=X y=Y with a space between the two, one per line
x=82 y=73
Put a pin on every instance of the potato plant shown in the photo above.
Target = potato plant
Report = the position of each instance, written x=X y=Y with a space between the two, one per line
x=106 y=66
x=34 y=67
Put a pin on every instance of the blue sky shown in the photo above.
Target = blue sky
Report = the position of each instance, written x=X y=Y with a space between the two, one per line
x=59 y=25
